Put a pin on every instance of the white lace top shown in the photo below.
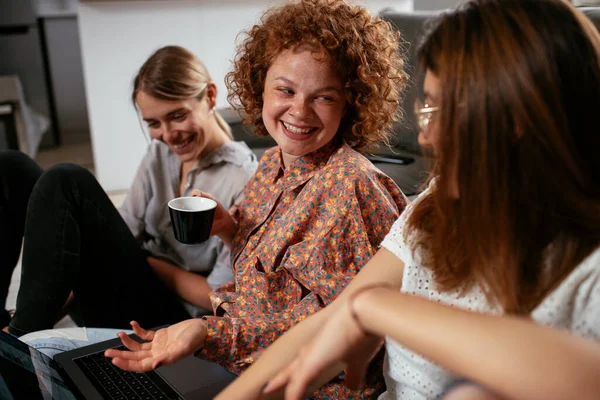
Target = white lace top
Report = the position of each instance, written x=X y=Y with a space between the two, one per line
x=573 y=305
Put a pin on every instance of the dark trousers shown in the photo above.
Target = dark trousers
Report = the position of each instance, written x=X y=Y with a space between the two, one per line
x=74 y=240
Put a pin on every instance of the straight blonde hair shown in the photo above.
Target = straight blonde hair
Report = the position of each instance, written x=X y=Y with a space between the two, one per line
x=174 y=73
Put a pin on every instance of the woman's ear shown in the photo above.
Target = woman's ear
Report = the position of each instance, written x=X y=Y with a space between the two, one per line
x=211 y=95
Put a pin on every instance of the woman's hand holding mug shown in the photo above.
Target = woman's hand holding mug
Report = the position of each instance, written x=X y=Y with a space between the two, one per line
x=224 y=226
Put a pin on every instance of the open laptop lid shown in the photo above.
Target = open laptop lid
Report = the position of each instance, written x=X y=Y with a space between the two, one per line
x=25 y=373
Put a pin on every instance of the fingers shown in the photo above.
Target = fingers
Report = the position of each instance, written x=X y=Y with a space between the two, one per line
x=135 y=360
x=141 y=332
x=280 y=380
x=197 y=193
x=130 y=343
x=134 y=350
x=300 y=381
x=144 y=365
x=133 y=347
x=128 y=355
x=296 y=378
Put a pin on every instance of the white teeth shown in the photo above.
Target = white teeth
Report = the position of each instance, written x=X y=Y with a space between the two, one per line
x=295 y=129
x=183 y=144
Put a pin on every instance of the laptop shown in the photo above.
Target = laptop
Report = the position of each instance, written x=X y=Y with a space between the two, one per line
x=84 y=373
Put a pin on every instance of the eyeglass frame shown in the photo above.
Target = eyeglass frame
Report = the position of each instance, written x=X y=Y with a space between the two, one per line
x=424 y=114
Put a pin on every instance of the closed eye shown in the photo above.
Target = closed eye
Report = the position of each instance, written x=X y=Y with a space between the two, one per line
x=179 y=116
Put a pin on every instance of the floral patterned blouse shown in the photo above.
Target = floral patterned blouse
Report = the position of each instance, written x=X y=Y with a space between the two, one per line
x=303 y=233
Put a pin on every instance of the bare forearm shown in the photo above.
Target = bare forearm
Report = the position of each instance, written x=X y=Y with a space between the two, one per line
x=194 y=289
x=514 y=357
x=191 y=287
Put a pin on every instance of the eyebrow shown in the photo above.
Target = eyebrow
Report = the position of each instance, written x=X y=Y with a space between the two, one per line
x=169 y=114
x=323 y=89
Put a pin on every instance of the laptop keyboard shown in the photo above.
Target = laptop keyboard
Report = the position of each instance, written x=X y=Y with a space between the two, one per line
x=115 y=383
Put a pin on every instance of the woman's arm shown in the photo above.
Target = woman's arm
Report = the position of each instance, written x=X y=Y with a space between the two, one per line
x=191 y=287
x=383 y=268
x=134 y=206
x=513 y=357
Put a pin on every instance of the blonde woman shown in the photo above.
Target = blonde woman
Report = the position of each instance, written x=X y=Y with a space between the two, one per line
x=126 y=264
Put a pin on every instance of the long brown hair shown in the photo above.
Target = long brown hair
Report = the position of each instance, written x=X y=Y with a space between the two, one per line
x=520 y=94
x=365 y=51
x=174 y=73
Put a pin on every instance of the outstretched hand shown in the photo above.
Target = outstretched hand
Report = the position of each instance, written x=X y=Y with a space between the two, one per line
x=163 y=347
x=223 y=223
x=341 y=341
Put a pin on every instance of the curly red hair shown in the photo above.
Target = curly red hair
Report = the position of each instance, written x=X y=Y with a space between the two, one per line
x=365 y=50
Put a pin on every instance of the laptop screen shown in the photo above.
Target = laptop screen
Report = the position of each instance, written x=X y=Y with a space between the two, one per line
x=26 y=373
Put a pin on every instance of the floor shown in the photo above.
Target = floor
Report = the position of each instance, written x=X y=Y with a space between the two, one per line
x=81 y=154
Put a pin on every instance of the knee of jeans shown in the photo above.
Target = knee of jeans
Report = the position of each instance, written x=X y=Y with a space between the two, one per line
x=69 y=170
x=16 y=163
x=64 y=176
x=14 y=158
x=52 y=347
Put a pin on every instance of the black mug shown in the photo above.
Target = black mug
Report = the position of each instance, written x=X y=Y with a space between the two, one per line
x=192 y=218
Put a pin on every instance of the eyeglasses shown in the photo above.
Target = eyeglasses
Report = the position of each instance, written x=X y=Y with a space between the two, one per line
x=424 y=115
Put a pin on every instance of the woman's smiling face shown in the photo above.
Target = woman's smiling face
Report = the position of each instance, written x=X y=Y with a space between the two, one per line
x=303 y=102
x=181 y=124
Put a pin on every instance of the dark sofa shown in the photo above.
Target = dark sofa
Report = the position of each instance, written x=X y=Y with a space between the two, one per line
x=403 y=161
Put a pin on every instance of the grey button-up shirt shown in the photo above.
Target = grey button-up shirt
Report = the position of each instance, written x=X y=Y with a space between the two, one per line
x=222 y=173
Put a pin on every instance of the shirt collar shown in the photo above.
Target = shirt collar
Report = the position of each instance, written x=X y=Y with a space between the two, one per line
x=232 y=152
x=303 y=168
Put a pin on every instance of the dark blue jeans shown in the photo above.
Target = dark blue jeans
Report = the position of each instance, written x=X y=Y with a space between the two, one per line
x=74 y=240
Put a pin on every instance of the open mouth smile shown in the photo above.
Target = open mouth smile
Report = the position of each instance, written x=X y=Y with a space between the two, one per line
x=181 y=145
x=184 y=146
x=297 y=133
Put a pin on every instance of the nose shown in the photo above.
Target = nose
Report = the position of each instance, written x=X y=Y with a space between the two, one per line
x=300 y=109
x=167 y=132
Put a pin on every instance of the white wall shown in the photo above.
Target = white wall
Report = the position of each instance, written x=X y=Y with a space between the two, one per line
x=55 y=8
x=435 y=4
x=117 y=37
